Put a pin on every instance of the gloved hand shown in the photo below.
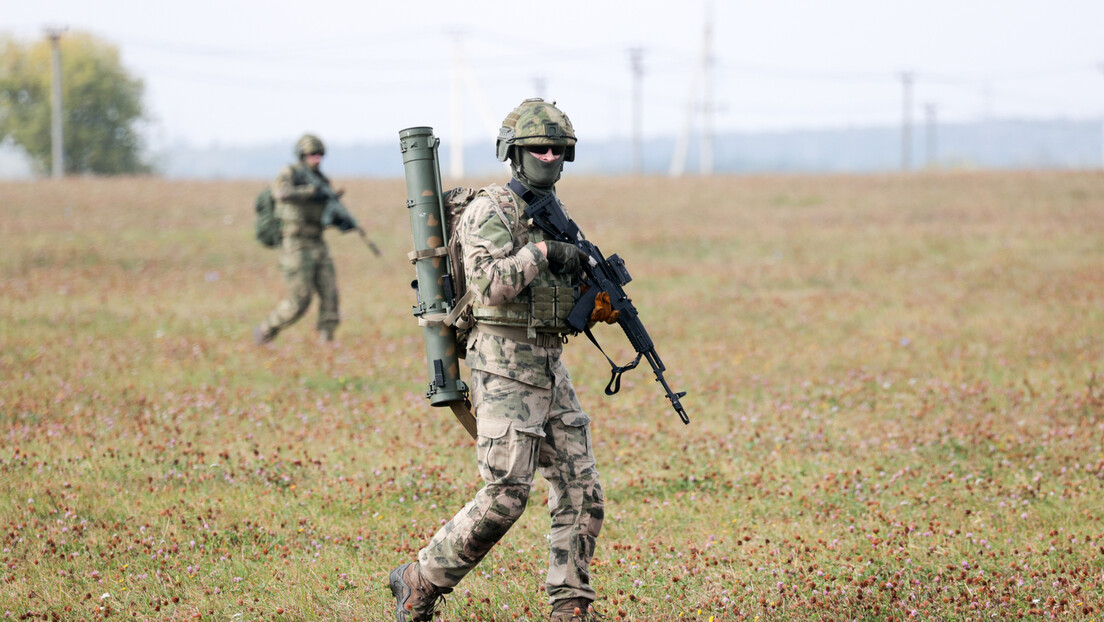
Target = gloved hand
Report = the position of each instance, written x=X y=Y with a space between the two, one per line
x=320 y=194
x=603 y=310
x=564 y=258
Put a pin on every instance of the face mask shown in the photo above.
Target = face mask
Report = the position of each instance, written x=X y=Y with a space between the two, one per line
x=535 y=174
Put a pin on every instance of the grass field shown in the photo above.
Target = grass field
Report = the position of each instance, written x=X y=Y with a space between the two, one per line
x=895 y=392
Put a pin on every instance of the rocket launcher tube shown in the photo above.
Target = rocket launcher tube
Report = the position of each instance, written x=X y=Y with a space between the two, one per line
x=428 y=226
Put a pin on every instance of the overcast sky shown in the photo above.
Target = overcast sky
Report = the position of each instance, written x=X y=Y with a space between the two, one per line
x=239 y=72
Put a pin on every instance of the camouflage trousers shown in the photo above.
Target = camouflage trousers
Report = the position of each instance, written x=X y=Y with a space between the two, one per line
x=523 y=428
x=308 y=269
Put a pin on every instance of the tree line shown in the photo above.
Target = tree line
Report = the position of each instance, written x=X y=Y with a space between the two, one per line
x=102 y=109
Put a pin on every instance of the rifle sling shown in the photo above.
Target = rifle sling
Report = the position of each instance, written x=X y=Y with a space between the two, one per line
x=533 y=201
x=519 y=189
x=617 y=370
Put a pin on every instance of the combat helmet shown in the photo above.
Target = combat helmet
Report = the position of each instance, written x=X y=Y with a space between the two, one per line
x=536 y=122
x=309 y=143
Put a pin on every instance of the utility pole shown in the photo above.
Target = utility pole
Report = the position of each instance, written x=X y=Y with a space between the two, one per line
x=464 y=79
x=698 y=100
x=636 y=56
x=682 y=145
x=930 y=144
x=456 y=150
x=1102 y=129
x=707 y=93
x=906 y=121
x=57 y=144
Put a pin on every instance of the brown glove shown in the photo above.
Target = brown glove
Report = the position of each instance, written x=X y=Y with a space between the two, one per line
x=603 y=310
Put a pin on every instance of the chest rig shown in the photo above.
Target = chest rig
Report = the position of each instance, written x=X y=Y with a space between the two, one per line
x=544 y=305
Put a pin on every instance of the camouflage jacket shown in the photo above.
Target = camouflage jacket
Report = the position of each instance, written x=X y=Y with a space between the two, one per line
x=501 y=261
x=297 y=204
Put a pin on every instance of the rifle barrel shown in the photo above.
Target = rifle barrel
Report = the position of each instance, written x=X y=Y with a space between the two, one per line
x=657 y=367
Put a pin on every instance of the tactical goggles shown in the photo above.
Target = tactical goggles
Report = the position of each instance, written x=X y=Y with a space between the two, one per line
x=557 y=150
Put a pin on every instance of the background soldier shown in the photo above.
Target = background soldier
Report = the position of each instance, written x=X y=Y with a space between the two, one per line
x=306 y=204
x=527 y=413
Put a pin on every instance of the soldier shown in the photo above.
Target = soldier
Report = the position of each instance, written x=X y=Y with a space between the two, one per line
x=528 y=415
x=306 y=204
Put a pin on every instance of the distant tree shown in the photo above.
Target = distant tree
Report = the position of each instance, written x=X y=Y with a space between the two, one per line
x=102 y=105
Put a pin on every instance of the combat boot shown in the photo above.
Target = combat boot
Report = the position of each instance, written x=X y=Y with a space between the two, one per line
x=325 y=337
x=262 y=336
x=573 y=610
x=416 y=599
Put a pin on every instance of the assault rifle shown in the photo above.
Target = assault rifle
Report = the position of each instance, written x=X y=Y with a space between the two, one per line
x=600 y=275
x=335 y=213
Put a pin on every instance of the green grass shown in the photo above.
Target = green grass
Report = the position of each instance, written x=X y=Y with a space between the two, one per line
x=895 y=391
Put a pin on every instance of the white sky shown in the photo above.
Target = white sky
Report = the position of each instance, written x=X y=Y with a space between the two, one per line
x=240 y=72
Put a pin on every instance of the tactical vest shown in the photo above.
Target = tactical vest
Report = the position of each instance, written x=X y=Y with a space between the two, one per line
x=544 y=305
x=301 y=218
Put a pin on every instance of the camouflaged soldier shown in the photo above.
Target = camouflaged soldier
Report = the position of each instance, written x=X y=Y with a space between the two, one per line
x=528 y=416
x=306 y=204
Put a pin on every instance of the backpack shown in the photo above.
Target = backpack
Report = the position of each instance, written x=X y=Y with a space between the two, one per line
x=268 y=225
x=460 y=317
x=455 y=202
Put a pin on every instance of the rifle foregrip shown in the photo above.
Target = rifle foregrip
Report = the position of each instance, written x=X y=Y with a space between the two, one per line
x=634 y=329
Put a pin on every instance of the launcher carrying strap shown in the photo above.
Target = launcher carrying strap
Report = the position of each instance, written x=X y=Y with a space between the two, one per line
x=462 y=410
x=427 y=253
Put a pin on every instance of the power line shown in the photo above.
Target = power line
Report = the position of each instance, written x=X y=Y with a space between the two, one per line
x=520 y=65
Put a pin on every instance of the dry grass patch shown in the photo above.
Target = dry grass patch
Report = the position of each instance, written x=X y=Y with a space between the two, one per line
x=895 y=401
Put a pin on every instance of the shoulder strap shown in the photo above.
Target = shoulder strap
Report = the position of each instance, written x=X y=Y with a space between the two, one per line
x=455 y=316
x=496 y=201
